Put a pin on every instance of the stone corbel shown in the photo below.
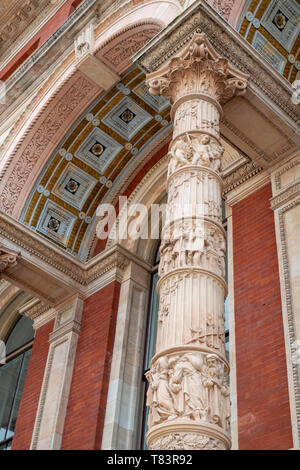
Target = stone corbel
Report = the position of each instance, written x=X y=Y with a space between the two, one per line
x=39 y=312
x=90 y=65
x=8 y=259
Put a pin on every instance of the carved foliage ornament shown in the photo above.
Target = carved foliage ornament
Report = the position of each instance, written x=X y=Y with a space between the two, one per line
x=198 y=69
x=8 y=258
x=186 y=441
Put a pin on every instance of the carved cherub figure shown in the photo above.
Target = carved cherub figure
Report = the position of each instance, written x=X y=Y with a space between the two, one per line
x=206 y=152
x=159 y=396
x=179 y=155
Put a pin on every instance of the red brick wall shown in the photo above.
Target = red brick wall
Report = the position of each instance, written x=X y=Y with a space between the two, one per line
x=87 y=402
x=262 y=389
x=32 y=388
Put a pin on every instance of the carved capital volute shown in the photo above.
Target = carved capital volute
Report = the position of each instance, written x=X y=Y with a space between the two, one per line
x=8 y=258
x=198 y=72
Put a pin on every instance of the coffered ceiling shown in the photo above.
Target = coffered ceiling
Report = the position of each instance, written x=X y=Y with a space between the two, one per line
x=111 y=133
x=273 y=29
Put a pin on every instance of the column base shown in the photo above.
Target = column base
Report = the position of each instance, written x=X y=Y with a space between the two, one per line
x=184 y=435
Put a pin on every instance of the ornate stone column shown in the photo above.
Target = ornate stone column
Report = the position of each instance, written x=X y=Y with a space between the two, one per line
x=188 y=391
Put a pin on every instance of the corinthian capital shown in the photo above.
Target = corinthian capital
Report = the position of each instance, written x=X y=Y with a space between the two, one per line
x=8 y=258
x=200 y=72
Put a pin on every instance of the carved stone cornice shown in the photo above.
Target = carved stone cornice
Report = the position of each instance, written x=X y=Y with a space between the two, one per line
x=188 y=395
x=8 y=258
x=229 y=44
x=285 y=196
x=291 y=164
x=33 y=309
x=61 y=268
x=241 y=176
x=21 y=21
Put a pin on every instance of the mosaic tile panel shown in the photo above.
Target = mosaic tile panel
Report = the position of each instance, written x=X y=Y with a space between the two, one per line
x=74 y=186
x=98 y=150
x=127 y=118
x=281 y=19
x=56 y=223
x=262 y=45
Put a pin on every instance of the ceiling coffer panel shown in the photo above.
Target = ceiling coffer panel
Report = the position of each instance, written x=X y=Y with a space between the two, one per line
x=273 y=29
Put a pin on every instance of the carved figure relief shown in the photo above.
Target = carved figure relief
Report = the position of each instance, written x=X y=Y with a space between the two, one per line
x=192 y=386
x=190 y=150
x=196 y=244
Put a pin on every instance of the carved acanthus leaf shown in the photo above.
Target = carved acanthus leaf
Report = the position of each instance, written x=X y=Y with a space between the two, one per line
x=198 y=69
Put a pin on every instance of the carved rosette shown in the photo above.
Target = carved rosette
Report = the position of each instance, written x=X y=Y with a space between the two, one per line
x=188 y=392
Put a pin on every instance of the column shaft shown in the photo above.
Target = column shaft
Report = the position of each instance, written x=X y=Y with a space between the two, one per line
x=188 y=391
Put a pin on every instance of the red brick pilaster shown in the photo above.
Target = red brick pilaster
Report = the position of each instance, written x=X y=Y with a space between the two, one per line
x=264 y=420
x=88 y=394
x=32 y=389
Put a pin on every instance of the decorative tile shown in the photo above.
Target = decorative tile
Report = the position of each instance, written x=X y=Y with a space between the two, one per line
x=74 y=186
x=158 y=103
x=98 y=150
x=127 y=118
x=56 y=223
x=281 y=19
x=268 y=51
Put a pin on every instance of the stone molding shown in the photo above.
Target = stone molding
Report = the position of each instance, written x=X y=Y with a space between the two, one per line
x=62 y=268
x=285 y=195
x=247 y=186
x=46 y=10
x=288 y=166
x=291 y=330
x=38 y=312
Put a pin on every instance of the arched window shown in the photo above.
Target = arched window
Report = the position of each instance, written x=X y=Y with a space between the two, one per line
x=152 y=328
x=12 y=377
